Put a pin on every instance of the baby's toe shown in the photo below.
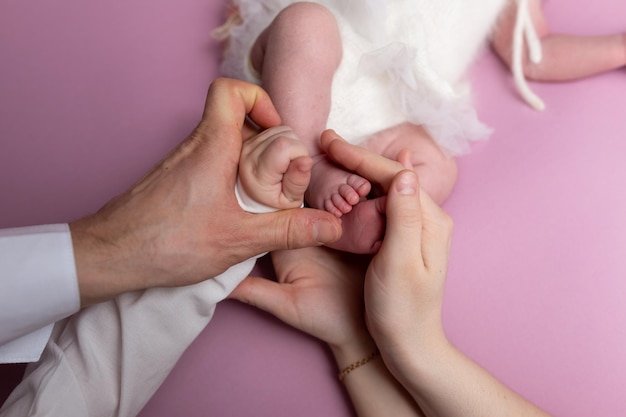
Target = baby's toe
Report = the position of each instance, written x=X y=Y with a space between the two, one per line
x=349 y=195
x=360 y=185
x=330 y=207
x=340 y=202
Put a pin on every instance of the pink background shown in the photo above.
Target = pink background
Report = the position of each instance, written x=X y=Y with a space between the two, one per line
x=93 y=93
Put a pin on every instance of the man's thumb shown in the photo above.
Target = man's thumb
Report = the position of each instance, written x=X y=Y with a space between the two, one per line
x=296 y=228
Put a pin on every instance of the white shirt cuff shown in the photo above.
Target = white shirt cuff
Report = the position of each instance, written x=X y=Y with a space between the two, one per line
x=38 y=286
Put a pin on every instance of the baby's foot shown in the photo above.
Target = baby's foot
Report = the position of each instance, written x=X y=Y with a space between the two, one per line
x=275 y=168
x=363 y=228
x=333 y=189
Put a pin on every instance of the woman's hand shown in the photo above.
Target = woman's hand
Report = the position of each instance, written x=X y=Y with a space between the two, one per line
x=318 y=291
x=404 y=288
x=404 y=284
x=405 y=281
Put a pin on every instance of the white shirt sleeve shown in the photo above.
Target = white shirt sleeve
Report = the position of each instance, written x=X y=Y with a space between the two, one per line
x=38 y=286
x=101 y=361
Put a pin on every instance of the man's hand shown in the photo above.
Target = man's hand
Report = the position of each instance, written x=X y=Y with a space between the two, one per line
x=181 y=223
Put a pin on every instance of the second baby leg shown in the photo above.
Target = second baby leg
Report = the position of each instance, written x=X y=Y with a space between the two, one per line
x=565 y=57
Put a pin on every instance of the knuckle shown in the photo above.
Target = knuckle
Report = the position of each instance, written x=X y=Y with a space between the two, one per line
x=443 y=224
x=220 y=84
x=409 y=219
x=284 y=236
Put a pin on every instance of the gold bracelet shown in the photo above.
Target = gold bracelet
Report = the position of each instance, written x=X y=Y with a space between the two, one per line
x=356 y=364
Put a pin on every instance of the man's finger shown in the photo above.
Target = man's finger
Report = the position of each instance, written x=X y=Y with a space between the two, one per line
x=230 y=101
x=229 y=106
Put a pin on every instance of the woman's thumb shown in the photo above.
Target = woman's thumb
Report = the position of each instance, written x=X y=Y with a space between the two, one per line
x=259 y=292
x=403 y=234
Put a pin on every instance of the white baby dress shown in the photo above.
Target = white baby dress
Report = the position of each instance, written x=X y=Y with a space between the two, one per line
x=403 y=60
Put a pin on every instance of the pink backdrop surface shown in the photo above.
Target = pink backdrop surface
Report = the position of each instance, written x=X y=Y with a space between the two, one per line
x=92 y=94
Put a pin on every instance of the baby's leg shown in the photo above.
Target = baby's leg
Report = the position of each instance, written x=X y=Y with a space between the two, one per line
x=297 y=56
x=564 y=57
x=364 y=227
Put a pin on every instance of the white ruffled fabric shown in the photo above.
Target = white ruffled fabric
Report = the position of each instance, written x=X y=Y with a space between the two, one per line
x=404 y=60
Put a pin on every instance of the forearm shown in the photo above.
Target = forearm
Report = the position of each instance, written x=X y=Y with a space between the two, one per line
x=372 y=389
x=445 y=382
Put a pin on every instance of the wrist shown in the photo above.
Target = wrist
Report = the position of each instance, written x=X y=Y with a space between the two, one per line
x=352 y=351
x=414 y=362
x=100 y=273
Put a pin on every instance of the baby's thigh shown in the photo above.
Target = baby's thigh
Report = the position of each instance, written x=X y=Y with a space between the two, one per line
x=300 y=29
x=436 y=170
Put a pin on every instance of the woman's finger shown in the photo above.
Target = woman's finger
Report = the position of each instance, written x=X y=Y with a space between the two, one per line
x=373 y=167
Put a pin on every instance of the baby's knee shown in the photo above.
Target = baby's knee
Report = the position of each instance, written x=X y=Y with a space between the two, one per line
x=306 y=13
x=312 y=24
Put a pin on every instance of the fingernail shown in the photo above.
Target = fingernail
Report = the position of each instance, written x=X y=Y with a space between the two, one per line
x=407 y=184
x=325 y=232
